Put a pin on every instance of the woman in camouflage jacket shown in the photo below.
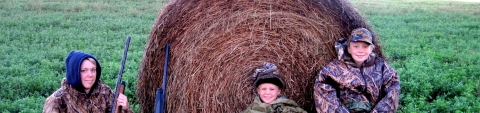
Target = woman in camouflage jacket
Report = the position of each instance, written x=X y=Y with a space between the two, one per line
x=81 y=90
x=358 y=81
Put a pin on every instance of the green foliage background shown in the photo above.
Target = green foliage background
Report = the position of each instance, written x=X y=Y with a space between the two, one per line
x=434 y=46
x=37 y=35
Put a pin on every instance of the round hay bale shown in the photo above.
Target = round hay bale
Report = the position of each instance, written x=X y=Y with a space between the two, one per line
x=216 y=44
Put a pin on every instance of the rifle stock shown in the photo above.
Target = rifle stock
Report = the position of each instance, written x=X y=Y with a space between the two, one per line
x=120 y=85
x=121 y=89
x=158 y=101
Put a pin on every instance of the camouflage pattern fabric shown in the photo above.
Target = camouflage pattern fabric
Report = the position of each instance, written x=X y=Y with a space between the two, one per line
x=280 y=105
x=340 y=82
x=68 y=100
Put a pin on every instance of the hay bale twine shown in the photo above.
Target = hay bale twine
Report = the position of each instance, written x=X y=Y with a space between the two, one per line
x=215 y=45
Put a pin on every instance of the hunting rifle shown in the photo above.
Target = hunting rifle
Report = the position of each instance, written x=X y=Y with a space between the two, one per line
x=120 y=86
x=160 y=97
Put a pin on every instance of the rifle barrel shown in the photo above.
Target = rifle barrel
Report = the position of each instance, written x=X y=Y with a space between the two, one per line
x=160 y=97
x=165 y=69
x=120 y=73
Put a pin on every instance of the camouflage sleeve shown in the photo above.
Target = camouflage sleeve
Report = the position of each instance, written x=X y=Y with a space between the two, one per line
x=52 y=105
x=109 y=101
x=326 y=100
x=391 y=89
x=249 y=109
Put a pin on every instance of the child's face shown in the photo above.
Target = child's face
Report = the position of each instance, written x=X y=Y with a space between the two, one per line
x=360 y=51
x=268 y=92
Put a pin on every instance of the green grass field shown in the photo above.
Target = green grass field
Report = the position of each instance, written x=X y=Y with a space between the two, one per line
x=434 y=46
x=36 y=36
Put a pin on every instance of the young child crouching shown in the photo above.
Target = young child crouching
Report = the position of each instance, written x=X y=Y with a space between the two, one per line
x=268 y=97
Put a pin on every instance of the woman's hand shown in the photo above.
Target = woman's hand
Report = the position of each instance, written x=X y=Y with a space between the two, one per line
x=122 y=100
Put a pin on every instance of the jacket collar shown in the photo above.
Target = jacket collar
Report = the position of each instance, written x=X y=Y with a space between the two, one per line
x=73 y=91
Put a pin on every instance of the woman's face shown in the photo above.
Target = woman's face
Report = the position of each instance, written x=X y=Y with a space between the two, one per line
x=268 y=92
x=88 y=74
x=360 y=51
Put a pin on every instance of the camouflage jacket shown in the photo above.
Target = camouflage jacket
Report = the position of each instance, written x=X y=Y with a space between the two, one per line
x=280 y=105
x=340 y=82
x=68 y=100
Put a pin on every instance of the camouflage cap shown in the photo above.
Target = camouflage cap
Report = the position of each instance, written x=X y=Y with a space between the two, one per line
x=269 y=78
x=361 y=34
x=269 y=73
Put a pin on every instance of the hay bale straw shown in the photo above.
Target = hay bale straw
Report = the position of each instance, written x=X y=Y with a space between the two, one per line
x=215 y=45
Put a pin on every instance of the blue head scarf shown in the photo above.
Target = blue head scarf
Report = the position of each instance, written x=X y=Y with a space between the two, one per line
x=73 y=64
